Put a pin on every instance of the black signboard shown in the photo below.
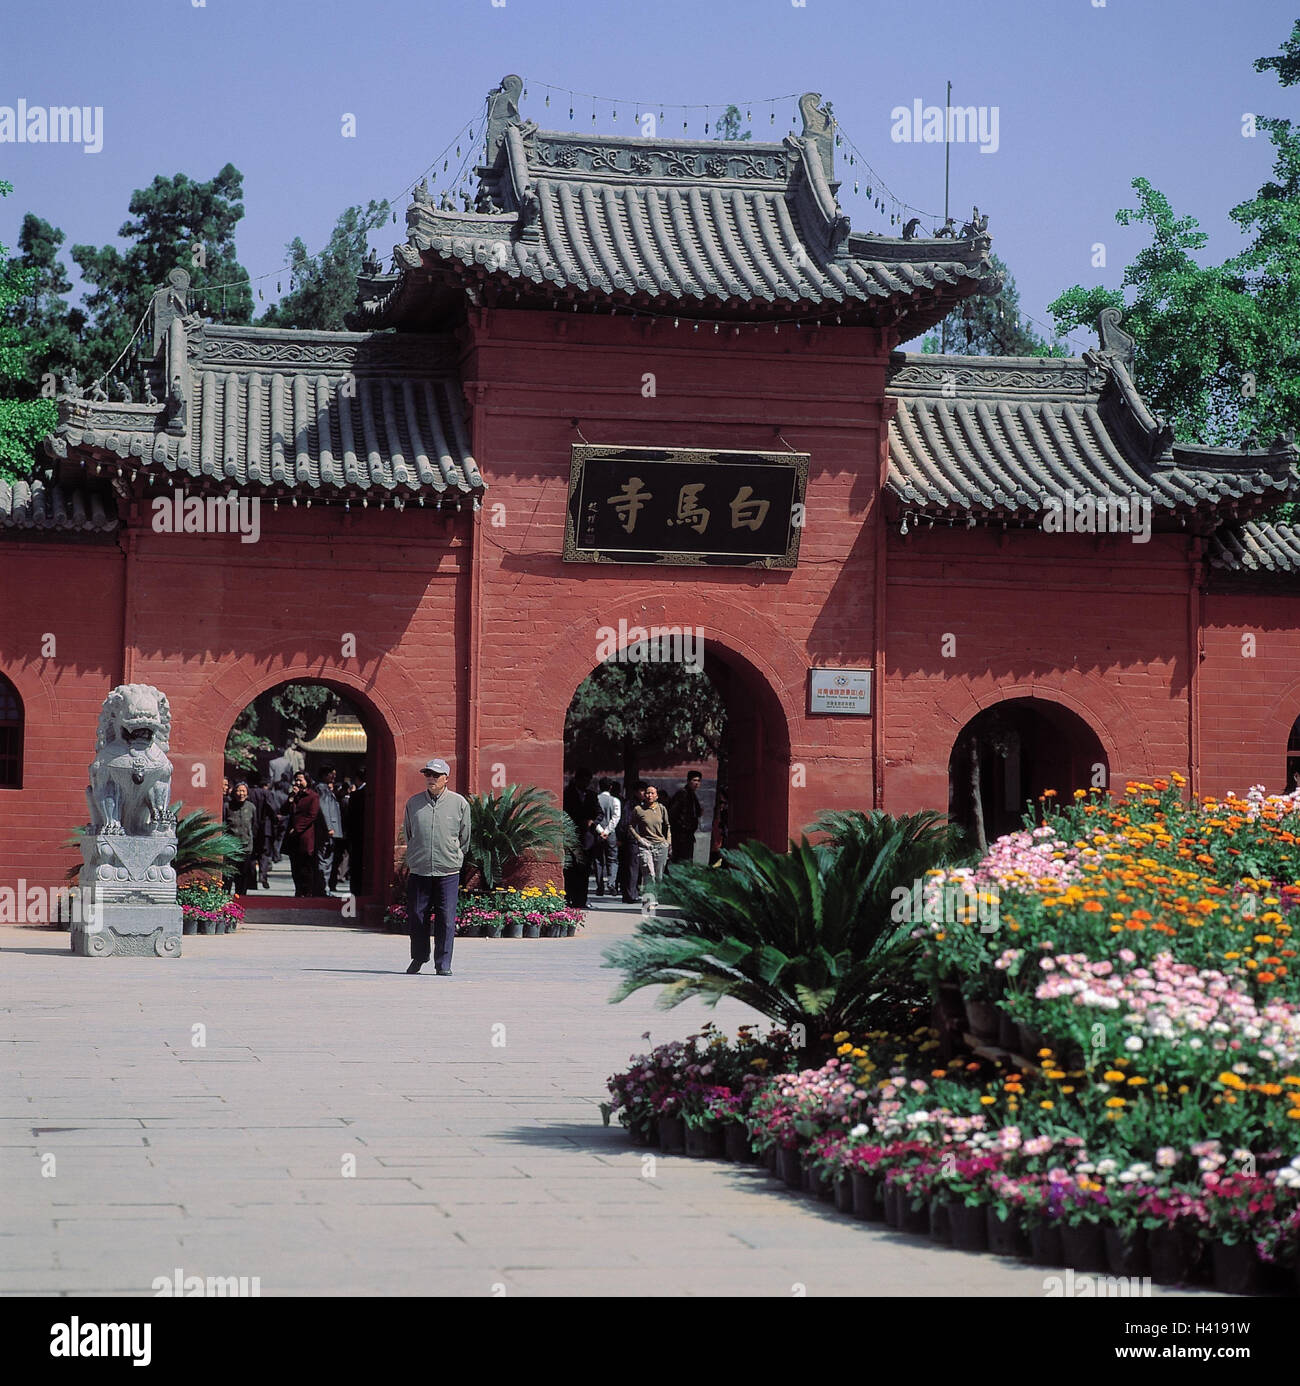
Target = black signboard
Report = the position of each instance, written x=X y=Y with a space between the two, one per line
x=685 y=506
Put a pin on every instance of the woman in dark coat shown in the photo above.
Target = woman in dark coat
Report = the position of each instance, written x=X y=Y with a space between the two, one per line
x=302 y=836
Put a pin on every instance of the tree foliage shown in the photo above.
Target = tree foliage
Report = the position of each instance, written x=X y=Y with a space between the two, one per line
x=728 y=126
x=24 y=418
x=990 y=325
x=173 y=222
x=628 y=714
x=1217 y=346
x=323 y=287
x=805 y=937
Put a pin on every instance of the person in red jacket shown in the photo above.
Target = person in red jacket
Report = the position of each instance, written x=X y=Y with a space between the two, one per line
x=301 y=838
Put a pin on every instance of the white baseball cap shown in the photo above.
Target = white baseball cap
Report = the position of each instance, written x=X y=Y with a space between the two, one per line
x=436 y=767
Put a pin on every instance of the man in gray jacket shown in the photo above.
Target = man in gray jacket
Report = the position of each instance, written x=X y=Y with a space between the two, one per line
x=436 y=829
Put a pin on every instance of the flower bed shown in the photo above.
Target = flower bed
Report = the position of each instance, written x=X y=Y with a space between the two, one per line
x=532 y=912
x=206 y=906
x=1144 y=949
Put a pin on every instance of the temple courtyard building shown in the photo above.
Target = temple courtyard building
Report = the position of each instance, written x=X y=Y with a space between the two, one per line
x=651 y=387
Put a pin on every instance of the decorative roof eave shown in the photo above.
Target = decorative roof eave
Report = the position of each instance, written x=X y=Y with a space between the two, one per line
x=1257 y=550
x=718 y=227
x=1008 y=438
x=45 y=505
x=487 y=269
x=281 y=413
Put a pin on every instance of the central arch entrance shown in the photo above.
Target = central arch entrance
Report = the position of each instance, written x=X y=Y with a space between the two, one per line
x=731 y=728
x=313 y=724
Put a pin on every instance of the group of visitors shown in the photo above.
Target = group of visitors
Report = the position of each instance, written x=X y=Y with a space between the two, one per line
x=631 y=839
x=321 y=827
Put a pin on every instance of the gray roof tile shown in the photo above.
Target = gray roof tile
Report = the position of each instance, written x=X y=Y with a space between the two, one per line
x=1006 y=435
x=41 y=503
x=312 y=411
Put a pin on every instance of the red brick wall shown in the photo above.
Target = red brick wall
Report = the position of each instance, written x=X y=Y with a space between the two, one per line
x=1249 y=701
x=472 y=635
x=72 y=592
x=540 y=616
x=1099 y=628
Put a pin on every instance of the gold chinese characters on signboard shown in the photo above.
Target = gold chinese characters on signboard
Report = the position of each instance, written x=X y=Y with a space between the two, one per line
x=685 y=506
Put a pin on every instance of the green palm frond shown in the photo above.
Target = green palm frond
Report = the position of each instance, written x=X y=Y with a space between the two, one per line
x=517 y=823
x=803 y=936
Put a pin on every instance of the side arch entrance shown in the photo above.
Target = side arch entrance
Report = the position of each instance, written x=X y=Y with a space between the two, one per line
x=1007 y=755
x=338 y=743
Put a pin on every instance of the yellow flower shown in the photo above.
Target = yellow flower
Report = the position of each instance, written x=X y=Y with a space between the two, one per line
x=1044 y=1053
x=987 y=1101
x=840 y=1037
x=1136 y=1080
x=1067 y=1088
x=1113 y=1076
x=1115 y=1102
x=1047 y=1106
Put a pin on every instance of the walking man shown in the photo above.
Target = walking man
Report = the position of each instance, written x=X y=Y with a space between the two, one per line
x=684 y=814
x=649 y=830
x=436 y=829
x=581 y=806
x=606 y=829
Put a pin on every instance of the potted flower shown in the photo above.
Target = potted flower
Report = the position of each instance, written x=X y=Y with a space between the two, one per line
x=1171 y=1218
x=704 y=1136
x=1004 y=1216
x=1237 y=1206
x=961 y=1185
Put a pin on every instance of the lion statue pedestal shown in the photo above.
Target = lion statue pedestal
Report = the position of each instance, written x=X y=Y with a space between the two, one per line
x=128 y=850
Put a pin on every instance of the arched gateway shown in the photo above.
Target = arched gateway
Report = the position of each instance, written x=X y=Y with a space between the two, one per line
x=642 y=381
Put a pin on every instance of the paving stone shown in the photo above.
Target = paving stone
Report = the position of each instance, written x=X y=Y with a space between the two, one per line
x=476 y=1166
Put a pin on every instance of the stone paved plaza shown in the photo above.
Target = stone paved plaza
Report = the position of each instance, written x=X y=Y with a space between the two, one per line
x=476 y=1166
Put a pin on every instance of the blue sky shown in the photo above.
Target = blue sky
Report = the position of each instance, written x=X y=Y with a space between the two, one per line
x=1088 y=96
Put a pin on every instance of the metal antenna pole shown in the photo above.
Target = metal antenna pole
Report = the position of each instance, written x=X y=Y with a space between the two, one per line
x=947 y=125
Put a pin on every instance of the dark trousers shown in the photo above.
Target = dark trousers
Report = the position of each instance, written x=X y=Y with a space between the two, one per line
x=306 y=872
x=606 y=854
x=627 y=868
x=356 y=867
x=325 y=859
x=432 y=897
x=683 y=847
x=340 y=867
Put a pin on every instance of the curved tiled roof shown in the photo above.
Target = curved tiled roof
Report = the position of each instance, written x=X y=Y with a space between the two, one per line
x=41 y=503
x=307 y=411
x=1257 y=547
x=719 y=226
x=1008 y=436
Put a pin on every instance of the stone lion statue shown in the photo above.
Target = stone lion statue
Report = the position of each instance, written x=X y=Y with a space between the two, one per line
x=131 y=777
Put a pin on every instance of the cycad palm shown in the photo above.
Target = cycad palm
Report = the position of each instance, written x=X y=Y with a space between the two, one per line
x=803 y=937
x=518 y=822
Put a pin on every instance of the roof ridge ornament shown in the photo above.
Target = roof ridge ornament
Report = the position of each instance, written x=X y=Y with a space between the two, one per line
x=819 y=126
x=1114 y=339
x=503 y=110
